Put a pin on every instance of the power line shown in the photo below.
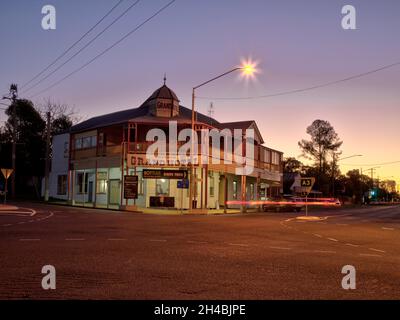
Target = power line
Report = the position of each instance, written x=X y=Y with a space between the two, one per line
x=85 y=46
x=106 y=50
x=370 y=164
x=73 y=45
x=307 y=88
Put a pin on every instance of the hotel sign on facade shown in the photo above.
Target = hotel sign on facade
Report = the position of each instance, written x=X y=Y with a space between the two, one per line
x=164 y=174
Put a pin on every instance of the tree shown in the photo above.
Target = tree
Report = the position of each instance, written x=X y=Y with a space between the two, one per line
x=292 y=165
x=31 y=140
x=324 y=140
x=291 y=168
x=62 y=116
x=30 y=128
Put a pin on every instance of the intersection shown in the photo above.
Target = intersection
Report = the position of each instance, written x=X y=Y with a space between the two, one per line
x=118 y=255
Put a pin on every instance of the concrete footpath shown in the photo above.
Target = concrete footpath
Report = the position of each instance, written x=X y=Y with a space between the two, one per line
x=6 y=207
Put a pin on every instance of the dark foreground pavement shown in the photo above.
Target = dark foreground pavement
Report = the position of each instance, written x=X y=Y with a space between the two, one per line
x=102 y=254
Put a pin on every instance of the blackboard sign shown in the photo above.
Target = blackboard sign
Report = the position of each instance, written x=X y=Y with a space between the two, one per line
x=130 y=187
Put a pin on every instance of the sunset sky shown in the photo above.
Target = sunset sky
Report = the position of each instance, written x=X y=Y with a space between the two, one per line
x=298 y=44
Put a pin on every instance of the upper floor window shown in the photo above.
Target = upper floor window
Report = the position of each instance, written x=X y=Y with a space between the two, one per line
x=86 y=142
x=276 y=158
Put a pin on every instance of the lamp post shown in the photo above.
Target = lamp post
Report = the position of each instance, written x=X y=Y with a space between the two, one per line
x=248 y=69
x=333 y=169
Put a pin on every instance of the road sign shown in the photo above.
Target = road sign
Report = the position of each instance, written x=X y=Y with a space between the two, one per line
x=6 y=172
x=183 y=184
x=130 y=187
x=307 y=182
x=306 y=185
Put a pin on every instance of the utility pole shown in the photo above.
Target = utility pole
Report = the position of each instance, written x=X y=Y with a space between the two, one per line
x=13 y=95
x=47 y=163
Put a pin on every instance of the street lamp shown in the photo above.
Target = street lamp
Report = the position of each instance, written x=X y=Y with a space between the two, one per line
x=248 y=69
x=333 y=169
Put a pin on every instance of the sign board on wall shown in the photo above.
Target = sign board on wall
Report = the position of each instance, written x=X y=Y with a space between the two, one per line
x=183 y=184
x=164 y=174
x=130 y=187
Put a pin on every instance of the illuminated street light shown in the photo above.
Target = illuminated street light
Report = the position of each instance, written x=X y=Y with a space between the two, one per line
x=248 y=69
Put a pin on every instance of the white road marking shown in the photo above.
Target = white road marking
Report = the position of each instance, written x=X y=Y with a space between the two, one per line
x=238 y=244
x=116 y=239
x=158 y=240
x=324 y=251
x=317 y=235
x=29 y=239
x=32 y=211
x=342 y=224
x=333 y=239
x=7 y=225
x=74 y=239
x=280 y=248
x=385 y=228
x=194 y=241
x=352 y=245
x=377 y=250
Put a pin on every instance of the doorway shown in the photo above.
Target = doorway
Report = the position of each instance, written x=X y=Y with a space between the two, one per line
x=114 y=192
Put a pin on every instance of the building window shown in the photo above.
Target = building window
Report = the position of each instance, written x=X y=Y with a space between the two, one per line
x=66 y=149
x=235 y=190
x=162 y=187
x=78 y=144
x=251 y=191
x=140 y=183
x=82 y=179
x=101 y=187
x=62 y=185
x=276 y=159
x=212 y=186
x=86 y=142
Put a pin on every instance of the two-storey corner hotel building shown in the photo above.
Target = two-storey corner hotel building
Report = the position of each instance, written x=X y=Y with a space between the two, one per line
x=102 y=162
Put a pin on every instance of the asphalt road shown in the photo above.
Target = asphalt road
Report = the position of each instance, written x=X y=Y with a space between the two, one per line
x=102 y=254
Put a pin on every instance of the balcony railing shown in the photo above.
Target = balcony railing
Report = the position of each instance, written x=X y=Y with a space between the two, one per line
x=141 y=148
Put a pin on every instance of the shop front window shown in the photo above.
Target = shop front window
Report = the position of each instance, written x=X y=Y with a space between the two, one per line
x=212 y=186
x=82 y=179
x=162 y=187
x=101 y=182
x=235 y=190
x=252 y=191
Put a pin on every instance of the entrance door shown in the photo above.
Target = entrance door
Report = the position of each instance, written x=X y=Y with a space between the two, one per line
x=90 y=192
x=114 y=192
x=221 y=191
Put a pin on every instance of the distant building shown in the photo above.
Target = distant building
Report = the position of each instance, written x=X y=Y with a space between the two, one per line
x=91 y=161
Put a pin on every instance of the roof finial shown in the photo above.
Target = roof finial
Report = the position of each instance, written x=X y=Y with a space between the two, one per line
x=165 y=78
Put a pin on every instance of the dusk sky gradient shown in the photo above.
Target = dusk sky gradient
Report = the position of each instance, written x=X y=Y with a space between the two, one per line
x=297 y=43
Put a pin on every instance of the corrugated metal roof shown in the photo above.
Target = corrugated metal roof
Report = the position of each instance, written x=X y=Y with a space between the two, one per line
x=135 y=113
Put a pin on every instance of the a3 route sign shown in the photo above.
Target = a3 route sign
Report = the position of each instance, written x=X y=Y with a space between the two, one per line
x=306 y=185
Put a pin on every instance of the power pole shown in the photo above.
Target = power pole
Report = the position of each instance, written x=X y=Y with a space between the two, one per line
x=47 y=163
x=211 y=111
x=13 y=97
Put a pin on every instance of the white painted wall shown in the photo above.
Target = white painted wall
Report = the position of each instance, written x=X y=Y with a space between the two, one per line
x=59 y=164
